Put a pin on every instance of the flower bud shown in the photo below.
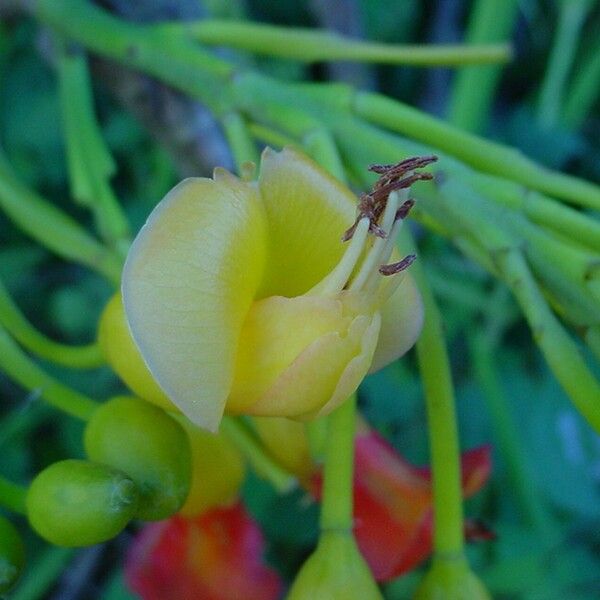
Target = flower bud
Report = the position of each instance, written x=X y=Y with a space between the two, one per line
x=122 y=354
x=80 y=503
x=147 y=444
x=336 y=571
x=218 y=471
x=12 y=555
x=451 y=580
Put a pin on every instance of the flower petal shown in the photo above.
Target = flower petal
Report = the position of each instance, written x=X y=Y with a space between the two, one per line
x=295 y=352
x=307 y=211
x=216 y=556
x=189 y=279
x=401 y=323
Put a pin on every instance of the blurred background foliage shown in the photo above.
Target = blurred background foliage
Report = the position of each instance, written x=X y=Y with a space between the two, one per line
x=559 y=451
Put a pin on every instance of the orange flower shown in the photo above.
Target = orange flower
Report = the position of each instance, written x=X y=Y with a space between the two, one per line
x=216 y=556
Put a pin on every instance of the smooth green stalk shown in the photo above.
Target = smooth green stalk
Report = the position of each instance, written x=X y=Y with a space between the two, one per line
x=53 y=228
x=572 y=17
x=561 y=353
x=90 y=164
x=48 y=567
x=575 y=225
x=482 y=154
x=271 y=136
x=336 y=503
x=152 y=49
x=592 y=339
x=482 y=350
x=474 y=87
x=255 y=453
x=12 y=496
x=434 y=366
x=157 y=50
x=584 y=90
x=310 y=45
x=320 y=146
x=18 y=326
x=562 y=266
x=240 y=140
x=21 y=420
x=18 y=366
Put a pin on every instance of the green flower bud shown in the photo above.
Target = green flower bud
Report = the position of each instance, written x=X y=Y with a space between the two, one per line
x=336 y=571
x=451 y=580
x=12 y=555
x=143 y=441
x=79 y=503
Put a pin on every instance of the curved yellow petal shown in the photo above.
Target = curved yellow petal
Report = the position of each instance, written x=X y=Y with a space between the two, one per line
x=401 y=323
x=188 y=282
x=307 y=213
x=294 y=352
x=124 y=357
x=276 y=331
x=355 y=370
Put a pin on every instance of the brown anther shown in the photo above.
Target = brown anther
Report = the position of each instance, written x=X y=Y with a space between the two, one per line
x=401 y=265
x=372 y=205
x=403 y=211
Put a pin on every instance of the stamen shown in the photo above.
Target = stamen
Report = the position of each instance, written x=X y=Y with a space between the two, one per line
x=390 y=243
x=373 y=204
x=373 y=258
x=401 y=265
x=338 y=278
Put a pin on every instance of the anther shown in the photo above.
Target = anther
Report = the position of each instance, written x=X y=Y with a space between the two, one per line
x=397 y=267
x=403 y=211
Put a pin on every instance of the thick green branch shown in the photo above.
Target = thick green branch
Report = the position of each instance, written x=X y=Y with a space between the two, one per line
x=310 y=45
x=88 y=356
x=18 y=366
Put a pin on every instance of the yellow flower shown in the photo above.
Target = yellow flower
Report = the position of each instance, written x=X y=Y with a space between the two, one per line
x=242 y=298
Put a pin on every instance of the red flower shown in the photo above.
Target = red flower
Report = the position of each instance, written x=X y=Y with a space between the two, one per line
x=215 y=556
x=393 y=515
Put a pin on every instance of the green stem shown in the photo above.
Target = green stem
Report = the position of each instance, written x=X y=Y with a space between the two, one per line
x=90 y=164
x=53 y=228
x=310 y=45
x=88 y=356
x=584 y=90
x=482 y=154
x=474 y=87
x=48 y=567
x=561 y=353
x=240 y=140
x=320 y=146
x=12 y=496
x=509 y=444
x=572 y=17
x=592 y=339
x=434 y=366
x=255 y=453
x=20 y=421
x=159 y=51
x=336 y=503
x=17 y=365
x=271 y=136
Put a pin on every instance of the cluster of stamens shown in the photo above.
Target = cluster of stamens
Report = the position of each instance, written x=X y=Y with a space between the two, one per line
x=372 y=205
x=380 y=213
